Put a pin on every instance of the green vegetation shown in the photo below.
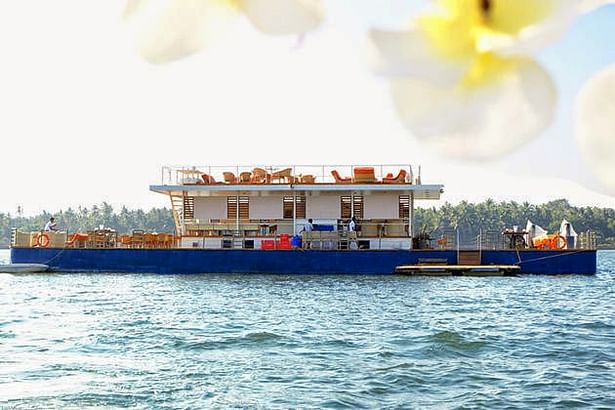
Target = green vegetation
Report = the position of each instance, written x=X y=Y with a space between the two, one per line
x=84 y=219
x=490 y=215
x=470 y=218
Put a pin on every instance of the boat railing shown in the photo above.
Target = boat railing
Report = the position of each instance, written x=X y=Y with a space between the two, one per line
x=587 y=240
x=497 y=240
x=13 y=237
x=96 y=238
x=379 y=234
x=289 y=174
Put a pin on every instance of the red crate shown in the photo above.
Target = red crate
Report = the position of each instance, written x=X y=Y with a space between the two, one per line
x=268 y=244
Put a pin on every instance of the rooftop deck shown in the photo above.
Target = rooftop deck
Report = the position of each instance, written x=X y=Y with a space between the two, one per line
x=207 y=180
x=290 y=174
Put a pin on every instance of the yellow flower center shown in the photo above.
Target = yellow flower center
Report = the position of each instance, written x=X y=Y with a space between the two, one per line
x=469 y=29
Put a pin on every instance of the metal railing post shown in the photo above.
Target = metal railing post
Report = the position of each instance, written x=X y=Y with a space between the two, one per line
x=457 y=234
x=480 y=245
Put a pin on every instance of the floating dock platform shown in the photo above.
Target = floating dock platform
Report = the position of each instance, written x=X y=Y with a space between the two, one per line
x=458 y=270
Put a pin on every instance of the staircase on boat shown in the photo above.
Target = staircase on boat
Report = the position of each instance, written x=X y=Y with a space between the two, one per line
x=182 y=208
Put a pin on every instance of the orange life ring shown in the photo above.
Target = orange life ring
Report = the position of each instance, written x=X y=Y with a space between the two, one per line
x=556 y=239
x=42 y=240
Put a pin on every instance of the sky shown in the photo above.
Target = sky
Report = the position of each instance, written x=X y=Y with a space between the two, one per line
x=85 y=120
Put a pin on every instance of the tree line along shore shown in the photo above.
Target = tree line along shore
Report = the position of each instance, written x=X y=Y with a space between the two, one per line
x=469 y=218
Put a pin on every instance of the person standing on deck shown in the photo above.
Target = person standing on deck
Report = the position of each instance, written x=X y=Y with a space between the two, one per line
x=308 y=228
x=352 y=225
x=352 y=233
x=51 y=225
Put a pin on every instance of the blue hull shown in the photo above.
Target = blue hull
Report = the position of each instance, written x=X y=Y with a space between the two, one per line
x=185 y=261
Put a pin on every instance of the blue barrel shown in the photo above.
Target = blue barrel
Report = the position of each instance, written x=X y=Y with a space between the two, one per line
x=295 y=242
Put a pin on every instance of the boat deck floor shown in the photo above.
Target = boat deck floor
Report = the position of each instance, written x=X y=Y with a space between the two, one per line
x=458 y=270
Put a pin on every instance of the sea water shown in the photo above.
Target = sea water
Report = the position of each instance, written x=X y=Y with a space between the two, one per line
x=79 y=341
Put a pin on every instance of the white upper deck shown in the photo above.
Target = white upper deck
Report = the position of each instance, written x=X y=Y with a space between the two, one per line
x=262 y=178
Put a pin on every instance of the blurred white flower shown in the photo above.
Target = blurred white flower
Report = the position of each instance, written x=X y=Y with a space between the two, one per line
x=167 y=30
x=595 y=126
x=462 y=76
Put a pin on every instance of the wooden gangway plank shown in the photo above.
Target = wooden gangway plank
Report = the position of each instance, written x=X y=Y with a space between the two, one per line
x=458 y=270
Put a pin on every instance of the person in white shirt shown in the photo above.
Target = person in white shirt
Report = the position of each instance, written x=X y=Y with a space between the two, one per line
x=51 y=225
x=352 y=233
x=352 y=225
x=309 y=227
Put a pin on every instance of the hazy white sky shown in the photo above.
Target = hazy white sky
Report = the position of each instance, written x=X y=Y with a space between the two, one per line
x=84 y=120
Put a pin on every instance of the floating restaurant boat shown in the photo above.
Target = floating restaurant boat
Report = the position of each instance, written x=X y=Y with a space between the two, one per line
x=252 y=219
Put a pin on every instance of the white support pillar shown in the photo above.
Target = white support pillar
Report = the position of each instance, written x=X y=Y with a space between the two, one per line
x=294 y=213
x=237 y=214
x=411 y=216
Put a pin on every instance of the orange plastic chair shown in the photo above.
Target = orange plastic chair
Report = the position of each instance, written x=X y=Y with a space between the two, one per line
x=339 y=179
x=208 y=179
x=399 y=179
x=364 y=175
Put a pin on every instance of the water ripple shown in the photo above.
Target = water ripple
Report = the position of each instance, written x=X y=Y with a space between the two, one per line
x=263 y=341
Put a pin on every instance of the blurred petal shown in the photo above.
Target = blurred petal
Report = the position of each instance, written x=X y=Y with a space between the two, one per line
x=479 y=122
x=166 y=30
x=132 y=7
x=538 y=34
x=513 y=16
x=595 y=126
x=409 y=53
x=587 y=6
x=280 y=17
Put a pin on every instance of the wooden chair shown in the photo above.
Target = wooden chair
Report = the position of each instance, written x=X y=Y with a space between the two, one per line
x=91 y=243
x=125 y=240
x=136 y=241
x=260 y=176
x=100 y=239
x=339 y=179
x=245 y=177
x=308 y=179
x=79 y=240
x=282 y=175
x=399 y=179
x=229 y=178
x=149 y=240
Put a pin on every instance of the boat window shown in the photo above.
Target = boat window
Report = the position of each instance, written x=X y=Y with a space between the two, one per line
x=244 y=207
x=351 y=206
x=404 y=206
x=288 y=206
